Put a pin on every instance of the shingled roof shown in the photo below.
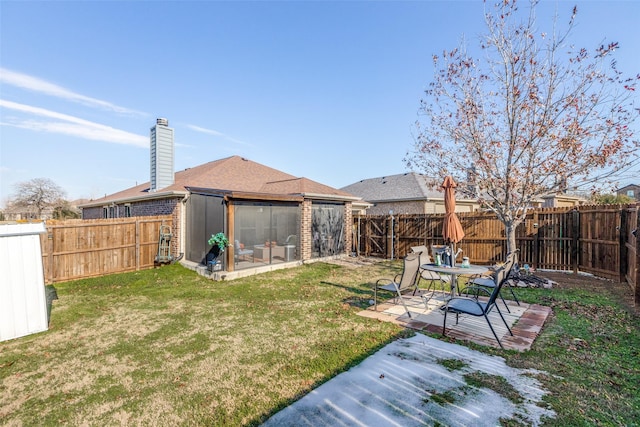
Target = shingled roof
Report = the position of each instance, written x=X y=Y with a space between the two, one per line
x=233 y=175
x=401 y=187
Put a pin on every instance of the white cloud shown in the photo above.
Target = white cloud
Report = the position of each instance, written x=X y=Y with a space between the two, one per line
x=37 y=85
x=203 y=130
x=216 y=133
x=70 y=125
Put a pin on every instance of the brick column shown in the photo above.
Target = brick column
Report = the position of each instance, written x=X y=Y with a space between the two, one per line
x=305 y=230
x=176 y=229
x=348 y=226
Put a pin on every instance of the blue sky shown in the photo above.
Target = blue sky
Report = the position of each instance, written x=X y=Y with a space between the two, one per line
x=323 y=90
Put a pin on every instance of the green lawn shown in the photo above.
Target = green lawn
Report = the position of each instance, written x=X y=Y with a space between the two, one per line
x=166 y=346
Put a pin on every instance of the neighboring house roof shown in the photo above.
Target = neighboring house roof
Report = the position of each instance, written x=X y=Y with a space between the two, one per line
x=634 y=188
x=563 y=196
x=628 y=187
x=401 y=187
x=234 y=176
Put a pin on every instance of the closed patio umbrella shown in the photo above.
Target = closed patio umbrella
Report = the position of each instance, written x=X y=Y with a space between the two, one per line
x=452 y=230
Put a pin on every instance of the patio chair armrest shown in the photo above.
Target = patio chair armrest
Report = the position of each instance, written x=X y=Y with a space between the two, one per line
x=487 y=274
x=476 y=291
x=384 y=281
x=429 y=275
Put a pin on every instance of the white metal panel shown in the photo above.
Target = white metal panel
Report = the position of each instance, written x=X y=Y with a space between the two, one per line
x=23 y=304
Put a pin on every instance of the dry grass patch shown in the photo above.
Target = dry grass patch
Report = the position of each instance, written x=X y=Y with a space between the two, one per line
x=167 y=346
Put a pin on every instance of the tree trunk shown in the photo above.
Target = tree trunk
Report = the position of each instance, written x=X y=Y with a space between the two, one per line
x=510 y=234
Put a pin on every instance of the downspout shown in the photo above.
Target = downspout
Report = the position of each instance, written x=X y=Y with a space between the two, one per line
x=182 y=240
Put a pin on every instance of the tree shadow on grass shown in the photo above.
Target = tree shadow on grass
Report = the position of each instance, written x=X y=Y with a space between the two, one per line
x=363 y=292
x=361 y=295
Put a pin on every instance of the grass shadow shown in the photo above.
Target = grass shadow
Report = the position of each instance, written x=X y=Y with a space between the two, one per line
x=361 y=297
x=51 y=294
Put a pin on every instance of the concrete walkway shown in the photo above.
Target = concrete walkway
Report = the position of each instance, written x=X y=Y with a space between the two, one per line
x=421 y=381
x=425 y=381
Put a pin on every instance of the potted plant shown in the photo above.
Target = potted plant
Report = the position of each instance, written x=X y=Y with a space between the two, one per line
x=219 y=243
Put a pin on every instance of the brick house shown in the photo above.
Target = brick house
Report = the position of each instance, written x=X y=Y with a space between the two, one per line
x=407 y=193
x=631 y=190
x=268 y=216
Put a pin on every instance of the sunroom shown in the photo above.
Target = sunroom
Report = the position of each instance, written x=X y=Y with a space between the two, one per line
x=264 y=229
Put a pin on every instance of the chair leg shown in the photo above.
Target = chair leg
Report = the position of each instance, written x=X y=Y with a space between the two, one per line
x=403 y=304
x=504 y=302
x=492 y=330
x=504 y=321
x=426 y=299
x=514 y=295
x=375 y=298
x=444 y=324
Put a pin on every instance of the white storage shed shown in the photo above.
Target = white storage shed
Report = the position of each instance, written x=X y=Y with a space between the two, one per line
x=23 y=303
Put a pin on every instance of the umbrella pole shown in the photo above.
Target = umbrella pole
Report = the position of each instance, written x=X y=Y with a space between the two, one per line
x=452 y=258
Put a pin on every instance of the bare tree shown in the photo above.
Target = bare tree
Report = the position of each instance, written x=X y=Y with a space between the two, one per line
x=533 y=116
x=63 y=209
x=35 y=195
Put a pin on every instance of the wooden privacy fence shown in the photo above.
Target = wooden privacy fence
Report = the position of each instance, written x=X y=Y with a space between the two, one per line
x=593 y=239
x=630 y=248
x=77 y=249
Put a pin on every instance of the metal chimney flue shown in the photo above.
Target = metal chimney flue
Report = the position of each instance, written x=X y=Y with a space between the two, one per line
x=162 y=155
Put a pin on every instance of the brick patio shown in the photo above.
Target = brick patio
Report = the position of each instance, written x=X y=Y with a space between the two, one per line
x=525 y=320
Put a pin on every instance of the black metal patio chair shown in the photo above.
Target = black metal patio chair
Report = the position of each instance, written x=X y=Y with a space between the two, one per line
x=473 y=306
x=489 y=281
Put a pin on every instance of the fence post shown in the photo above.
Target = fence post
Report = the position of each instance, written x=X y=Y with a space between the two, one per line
x=575 y=252
x=389 y=236
x=622 y=243
x=358 y=237
x=51 y=275
x=637 y=281
x=367 y=243
x=137 y=244
x=536 y=241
